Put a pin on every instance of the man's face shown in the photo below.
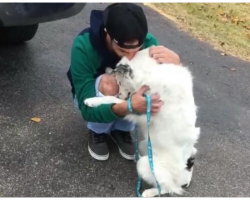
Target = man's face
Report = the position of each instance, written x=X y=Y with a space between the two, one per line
x=123 y=52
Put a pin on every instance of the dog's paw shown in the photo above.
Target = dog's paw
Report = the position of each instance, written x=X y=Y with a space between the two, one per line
x=91 y=102
x=188 y=178
x=150 y=193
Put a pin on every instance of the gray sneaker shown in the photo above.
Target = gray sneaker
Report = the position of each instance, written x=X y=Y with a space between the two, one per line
x=97 y=146
x=125 y=143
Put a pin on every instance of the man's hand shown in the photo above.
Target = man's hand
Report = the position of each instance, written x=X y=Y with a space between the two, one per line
x=139 y=103
x=164 y=55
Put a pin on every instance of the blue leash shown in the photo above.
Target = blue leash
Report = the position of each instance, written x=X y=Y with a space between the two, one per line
x=150 y=153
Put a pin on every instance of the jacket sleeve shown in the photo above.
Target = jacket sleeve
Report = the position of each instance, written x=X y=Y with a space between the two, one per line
x=84 y=84
x=150 y=41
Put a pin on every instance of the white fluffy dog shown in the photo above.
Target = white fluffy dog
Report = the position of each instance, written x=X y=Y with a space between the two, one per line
x=172 y=130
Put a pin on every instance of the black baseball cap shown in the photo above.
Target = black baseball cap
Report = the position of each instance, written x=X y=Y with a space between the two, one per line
x=125 y=22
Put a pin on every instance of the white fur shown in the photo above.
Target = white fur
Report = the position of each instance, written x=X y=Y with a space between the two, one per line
x=172 y=131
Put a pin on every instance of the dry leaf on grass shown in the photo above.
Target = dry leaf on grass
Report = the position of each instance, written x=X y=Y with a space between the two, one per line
x=221 y=12
x=224 y=19
x=222 y=44
x=247 y=27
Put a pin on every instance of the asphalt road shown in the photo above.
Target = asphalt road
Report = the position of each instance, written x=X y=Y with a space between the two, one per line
x=50 y=158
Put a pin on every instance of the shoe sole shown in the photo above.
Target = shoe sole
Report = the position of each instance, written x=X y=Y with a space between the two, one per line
x=124 y=155
x=98 y=157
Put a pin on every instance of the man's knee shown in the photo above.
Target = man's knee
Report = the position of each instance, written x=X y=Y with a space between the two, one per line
x=123 y=125
x=100 y=127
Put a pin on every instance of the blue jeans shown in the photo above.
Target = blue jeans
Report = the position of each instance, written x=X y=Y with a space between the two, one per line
x=119 y=124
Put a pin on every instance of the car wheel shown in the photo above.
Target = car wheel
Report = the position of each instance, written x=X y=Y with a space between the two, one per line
x=17 y=34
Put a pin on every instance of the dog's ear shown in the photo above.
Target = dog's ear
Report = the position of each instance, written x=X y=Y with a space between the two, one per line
x=124 y=70
x=109 y=70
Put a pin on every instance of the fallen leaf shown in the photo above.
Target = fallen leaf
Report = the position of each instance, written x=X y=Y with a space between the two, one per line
x=222 y=44
x=236 y=20
x=35 y=119
x=247 y=27
x=221 y=12
x=224 y=19
x=233 y=69
x=223 y=54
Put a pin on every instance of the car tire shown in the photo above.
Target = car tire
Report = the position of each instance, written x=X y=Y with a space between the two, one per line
x=17 y=34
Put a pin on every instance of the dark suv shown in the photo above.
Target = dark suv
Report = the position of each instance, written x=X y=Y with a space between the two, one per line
x=19 y=21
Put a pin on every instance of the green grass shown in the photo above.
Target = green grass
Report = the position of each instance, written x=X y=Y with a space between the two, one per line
x=224 y=25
